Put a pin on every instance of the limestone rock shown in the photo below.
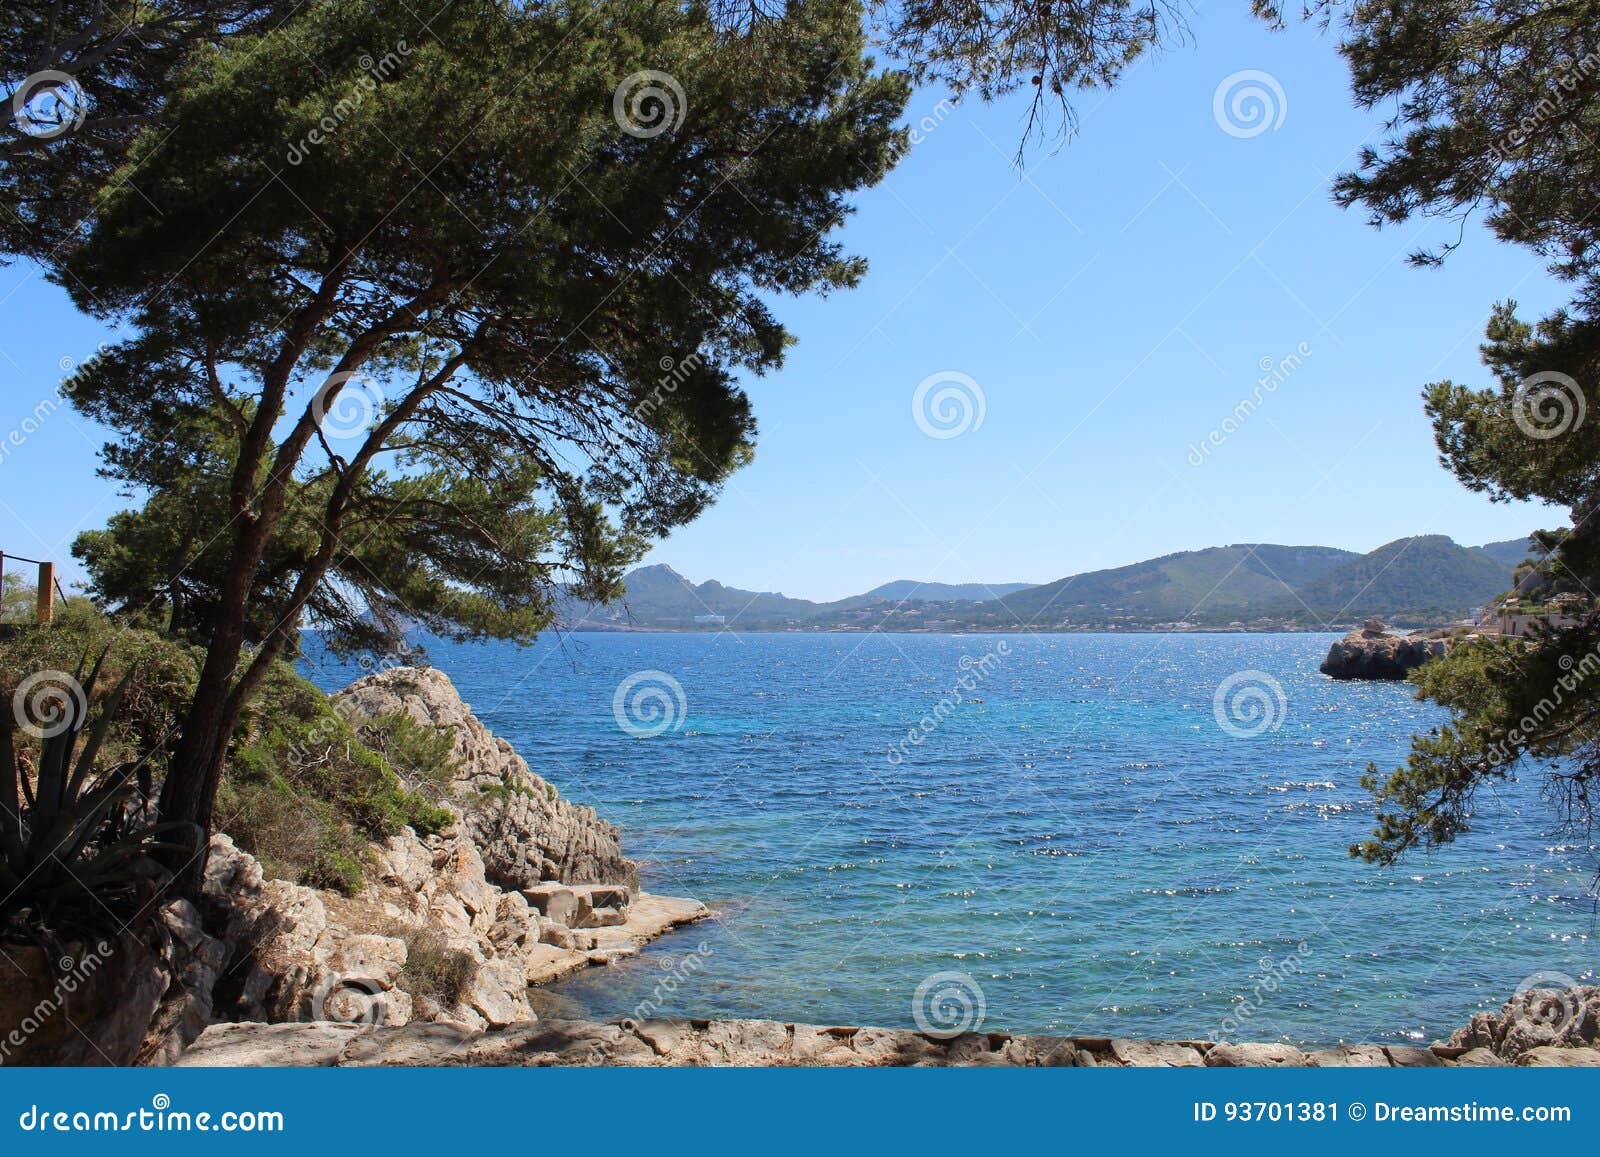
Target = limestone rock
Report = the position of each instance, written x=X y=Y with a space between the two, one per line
x=526 y=832
x=1374 y=652
x=1267 y=1056
x=1350 y=1057
x=1535 y=1019
x=1155 y=1054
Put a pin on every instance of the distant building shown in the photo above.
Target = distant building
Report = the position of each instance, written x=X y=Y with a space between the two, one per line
x=710 y=620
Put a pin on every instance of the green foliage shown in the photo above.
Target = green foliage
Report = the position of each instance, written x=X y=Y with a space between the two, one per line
x=76 y=822
x=1495 y=107
x=305 y=792
x=123 y=58
x=1516 y=704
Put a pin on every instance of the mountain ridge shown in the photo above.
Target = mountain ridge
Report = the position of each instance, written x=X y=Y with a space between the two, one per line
x=1417 y=580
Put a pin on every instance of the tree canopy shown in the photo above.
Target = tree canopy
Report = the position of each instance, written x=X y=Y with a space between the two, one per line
x=432 y=317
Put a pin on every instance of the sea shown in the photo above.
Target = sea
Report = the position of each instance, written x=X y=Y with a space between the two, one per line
x=1128 y=835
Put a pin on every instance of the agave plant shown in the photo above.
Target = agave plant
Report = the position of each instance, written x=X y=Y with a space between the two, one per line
x=75 y=833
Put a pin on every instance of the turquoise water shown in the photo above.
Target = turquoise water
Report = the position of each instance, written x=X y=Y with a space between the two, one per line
x=1083 y=841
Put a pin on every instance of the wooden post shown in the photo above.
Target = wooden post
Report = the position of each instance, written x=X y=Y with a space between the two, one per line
x=47 y=591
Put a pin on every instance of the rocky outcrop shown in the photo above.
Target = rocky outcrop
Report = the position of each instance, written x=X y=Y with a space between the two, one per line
x=525 y=832
x=453 y=927
x=429 y=938
x=771 y=1043
x=1535 y=1020
x=1374 y=652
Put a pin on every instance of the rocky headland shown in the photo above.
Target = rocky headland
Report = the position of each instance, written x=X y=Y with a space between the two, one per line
x=1373 y=651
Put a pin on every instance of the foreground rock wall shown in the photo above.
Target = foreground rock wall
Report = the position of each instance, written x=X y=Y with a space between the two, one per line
x=771 y=1043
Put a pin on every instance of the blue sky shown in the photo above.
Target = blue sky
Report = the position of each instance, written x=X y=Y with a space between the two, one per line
x=1112 y=303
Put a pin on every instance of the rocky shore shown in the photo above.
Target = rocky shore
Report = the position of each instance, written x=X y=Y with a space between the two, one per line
x=1520 y=1034
x=1373 y=651
x=523 y=888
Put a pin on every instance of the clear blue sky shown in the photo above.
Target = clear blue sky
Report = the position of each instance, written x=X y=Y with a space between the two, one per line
x=1114 y=303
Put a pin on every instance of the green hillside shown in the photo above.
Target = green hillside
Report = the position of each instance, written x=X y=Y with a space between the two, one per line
x=1427 y=579
x=1220 y=583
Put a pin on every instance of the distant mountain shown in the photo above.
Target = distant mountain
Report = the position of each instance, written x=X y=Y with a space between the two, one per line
x=1508 y=553
x=660 y=597
x=1428 y=577
x=1416 y=581
x=1222 y=582
x=902 y=589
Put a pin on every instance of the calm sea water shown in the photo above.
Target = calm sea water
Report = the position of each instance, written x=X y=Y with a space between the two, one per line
x=1083 y=841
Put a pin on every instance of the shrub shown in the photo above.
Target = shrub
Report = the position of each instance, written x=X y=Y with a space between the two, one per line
x=434 y=969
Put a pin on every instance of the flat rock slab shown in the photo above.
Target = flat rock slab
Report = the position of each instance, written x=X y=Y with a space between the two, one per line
x=1256 y=1056
x=1547 y=1056
x=248 y=1045
x=1156 y=1054
x=1351 y=1057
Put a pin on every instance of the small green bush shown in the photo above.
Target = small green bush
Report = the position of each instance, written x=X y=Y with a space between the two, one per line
x=434 y=969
